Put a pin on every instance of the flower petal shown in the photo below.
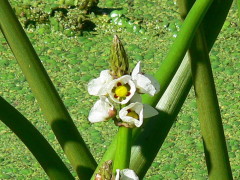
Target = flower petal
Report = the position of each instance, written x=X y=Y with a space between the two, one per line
x=102 y=110
x=149 y=111
x=154 y=82
x=144 y=84
x=128 y=174
x=136 y=70
x=99 y=85
x=117 y=174
x=126 y=79
x=135 y=107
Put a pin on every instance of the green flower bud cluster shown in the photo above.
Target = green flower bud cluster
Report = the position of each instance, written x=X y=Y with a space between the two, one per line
x=119 y=64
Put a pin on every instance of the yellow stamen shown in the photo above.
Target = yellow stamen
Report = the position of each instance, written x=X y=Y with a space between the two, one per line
x=121 y=91
x=133 y=114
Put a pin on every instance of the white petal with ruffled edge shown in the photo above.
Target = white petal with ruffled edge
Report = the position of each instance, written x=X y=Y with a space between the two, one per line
x=144 y=83
x=135 y=107
x=126 y=79
x=102 y=110
x=126 y=174
x=99 y=86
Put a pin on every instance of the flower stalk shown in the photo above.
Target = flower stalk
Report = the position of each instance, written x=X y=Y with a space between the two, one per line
x=123 y=150
x=119 y=66
x=172 y=99
x=46 y=94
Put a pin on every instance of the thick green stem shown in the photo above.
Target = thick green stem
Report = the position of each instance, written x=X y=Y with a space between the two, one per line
x=179 y=48
x=123 y=151
x=142 y=156
x=209 y=113
x=213 y=20
x=47 y=96
x=147 y=144
x=35 y=142
x=173 y=105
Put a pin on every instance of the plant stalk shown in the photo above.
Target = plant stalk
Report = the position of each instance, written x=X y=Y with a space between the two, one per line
x=179 y=48
x=46 y=94
x=170 y=105
x=146 y=145
x=123 y=151
x=209 y=113
x=35 y=142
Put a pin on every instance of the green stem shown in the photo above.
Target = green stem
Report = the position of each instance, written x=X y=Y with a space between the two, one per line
x=47 y=96
x=209 y=113
x=170 y=109
x=35 y=142
x=123 y=151
x=146 y=145
x=179 y=48
x=214 y=20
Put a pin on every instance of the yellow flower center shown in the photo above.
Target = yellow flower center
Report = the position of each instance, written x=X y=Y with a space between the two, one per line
x=133 y=114
x=121 y=91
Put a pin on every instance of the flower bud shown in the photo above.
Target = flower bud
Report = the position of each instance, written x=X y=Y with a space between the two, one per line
x=118 y=61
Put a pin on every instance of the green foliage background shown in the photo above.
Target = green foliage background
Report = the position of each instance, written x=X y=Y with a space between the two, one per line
x=72 y=61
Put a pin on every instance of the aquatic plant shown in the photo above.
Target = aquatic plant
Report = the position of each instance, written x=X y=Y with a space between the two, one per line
x=132 y=94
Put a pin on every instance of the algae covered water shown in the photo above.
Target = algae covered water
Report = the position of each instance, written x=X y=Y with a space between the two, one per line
x=74 y=46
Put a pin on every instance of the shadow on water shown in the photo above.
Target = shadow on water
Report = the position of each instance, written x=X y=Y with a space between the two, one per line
x=88 y=25
x=64 y=11
x=103 y=11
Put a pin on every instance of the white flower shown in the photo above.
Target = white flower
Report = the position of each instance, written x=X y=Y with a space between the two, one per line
x=99 y=86
x=134 y=113
x=144 y=83
x=126 y=174
x=122 y=89
x=102 y=110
